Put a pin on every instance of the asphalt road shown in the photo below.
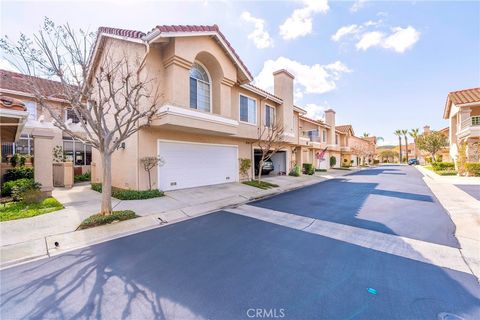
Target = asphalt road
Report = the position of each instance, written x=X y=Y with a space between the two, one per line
x=389 y=199
x=226 y=266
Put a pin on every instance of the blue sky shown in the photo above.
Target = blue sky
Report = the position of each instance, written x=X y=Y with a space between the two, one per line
x=390 y=67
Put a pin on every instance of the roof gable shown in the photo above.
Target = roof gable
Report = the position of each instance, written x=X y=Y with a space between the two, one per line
x=169 y=31
x=461 y=97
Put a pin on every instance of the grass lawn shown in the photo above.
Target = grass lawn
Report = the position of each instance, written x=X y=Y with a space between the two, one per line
x=20 y=210
x=98 y=219
x=127 y=194
x=262 y=184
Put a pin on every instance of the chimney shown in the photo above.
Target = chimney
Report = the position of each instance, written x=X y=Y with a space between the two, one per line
x=283 y=88
x=426 y=129
x=330 y=120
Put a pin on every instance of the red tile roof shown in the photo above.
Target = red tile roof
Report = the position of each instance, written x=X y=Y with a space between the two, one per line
x=461 y=97
x=11 y=103
x=122 y=32
x=465 y=96
x=22 y=83
x=264 y=91
x=175 y=28
x=344 y=128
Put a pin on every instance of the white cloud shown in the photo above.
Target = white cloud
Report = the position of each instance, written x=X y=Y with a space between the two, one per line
x=308 y=79
x=359 y=4
x=344 y=31
x=300 y=23
x=315 y=111
x=260 y=36
x=401 y=39
x=369 y=39
x=397 y=39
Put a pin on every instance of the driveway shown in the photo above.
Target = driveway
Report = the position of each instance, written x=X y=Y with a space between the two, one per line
x=230 y=266
x=389 y=199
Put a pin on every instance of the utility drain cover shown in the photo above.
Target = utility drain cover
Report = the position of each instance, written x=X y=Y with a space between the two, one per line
x=448 y=316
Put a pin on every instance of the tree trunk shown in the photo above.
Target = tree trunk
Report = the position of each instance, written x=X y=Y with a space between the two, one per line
x=260 y=167
x=149 y=181
x=400 y=149
x=106 y=183
x=406 y=148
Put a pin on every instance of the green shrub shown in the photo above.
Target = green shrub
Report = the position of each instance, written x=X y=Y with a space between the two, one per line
x=473 y=168
x=447 y=172
x=26 y=190
x=440 y=166
x=376 y=161
x=7 y=187
x=128 y=194
x=295 y=172
x=308 y=168
x=51 y=202
x=18 y=173
x=333 y=161
x=82 y=177
x=99 y=219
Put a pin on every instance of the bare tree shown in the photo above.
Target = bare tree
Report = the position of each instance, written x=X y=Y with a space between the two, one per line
x=271 y=139
x=110 y=93
x=149 y=163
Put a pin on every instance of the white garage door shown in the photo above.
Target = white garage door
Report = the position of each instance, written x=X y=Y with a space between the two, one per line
x=190 y=165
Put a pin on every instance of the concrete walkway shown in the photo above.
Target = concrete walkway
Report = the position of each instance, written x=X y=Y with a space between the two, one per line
x=35 y=237
x=463 y=209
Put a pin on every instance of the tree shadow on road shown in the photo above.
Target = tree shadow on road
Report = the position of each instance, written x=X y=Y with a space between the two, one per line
x=221 y=265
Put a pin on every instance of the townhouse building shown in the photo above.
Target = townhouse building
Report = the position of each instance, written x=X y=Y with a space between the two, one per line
x=210 y=114
x=462 y=110
x=15 y=89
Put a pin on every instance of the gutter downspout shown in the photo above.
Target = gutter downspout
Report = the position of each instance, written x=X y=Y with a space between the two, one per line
x=147 y=51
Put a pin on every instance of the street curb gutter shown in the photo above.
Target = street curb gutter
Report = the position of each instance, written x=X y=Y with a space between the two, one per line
x=20 y=253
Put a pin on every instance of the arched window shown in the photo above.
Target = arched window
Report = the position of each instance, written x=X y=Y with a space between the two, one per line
x=199 y=88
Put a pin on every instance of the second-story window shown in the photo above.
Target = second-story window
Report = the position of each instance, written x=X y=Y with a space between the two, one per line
x=199 y=88
x=248 y=110
x=70 y=114
x=270 y=116
x=32 y=109
x=324 y=135
x=336 y=139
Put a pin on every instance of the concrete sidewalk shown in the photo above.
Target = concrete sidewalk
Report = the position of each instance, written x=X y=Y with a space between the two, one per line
x=35 y=237
x=464 y=211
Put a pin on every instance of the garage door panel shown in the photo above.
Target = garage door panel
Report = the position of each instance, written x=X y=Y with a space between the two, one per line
x=190 y=165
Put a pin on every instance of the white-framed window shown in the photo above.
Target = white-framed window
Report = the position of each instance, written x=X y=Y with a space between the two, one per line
x=32 y=109
x=324 y=135
x=200 y=86
x=77 y=151
x=70 y=114
x=248 y=109
x=270 y=116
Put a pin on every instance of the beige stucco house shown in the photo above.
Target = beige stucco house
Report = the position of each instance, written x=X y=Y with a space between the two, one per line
x=210 y=114
x=462 y=110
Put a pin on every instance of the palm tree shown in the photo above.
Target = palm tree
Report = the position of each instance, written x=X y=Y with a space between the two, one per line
x=414 y=134
x=398 y=133
x=405 y=136
x=366 y=135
